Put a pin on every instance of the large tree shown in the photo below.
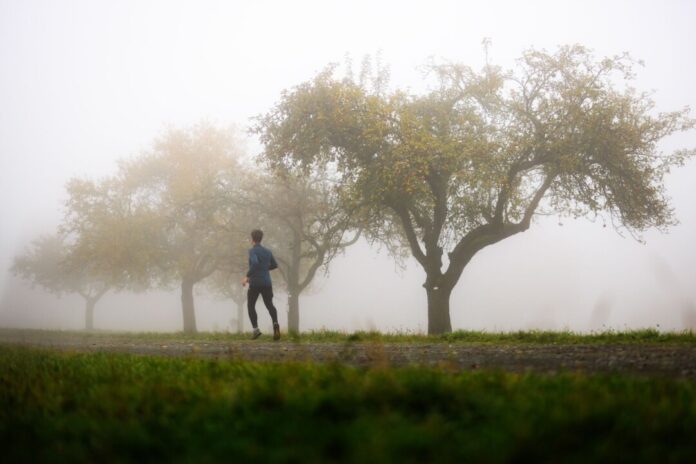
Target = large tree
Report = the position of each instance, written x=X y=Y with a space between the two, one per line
x=47 y=263
x=470 y=163
x=186 y=178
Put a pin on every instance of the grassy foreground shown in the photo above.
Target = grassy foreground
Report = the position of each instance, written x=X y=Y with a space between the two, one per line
x=70 y=407
x=460 y=336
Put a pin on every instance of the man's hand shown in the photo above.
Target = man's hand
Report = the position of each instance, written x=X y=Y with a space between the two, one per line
x=245 y=281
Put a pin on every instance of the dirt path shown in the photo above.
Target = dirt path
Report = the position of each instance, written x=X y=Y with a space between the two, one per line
x=661 y=359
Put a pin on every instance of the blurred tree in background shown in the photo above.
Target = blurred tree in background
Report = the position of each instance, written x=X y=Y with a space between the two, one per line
x=47 y=263
x=165 y=216
x=226 y=282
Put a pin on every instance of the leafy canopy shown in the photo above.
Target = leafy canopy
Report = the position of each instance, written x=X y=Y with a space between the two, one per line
x=166 y=214
x=47 y=263
x=472 y=161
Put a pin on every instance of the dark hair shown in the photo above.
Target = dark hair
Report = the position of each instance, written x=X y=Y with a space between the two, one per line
x=257 y=235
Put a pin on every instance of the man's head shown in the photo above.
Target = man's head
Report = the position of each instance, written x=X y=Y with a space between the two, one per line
x=256 y=235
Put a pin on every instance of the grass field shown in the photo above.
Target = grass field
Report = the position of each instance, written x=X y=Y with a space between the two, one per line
x=461 y=336
x=92 y=407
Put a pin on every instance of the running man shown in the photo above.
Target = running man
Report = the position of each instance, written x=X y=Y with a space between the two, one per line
x=259 y=279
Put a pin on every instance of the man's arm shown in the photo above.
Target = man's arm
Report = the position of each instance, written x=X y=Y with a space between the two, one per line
x=253 y=263
x=273 y=263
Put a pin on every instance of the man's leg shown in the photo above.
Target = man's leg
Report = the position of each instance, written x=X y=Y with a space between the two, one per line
x=252 y=296
x=267 y=294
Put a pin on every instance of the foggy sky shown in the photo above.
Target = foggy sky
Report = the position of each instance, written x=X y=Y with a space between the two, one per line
x=84 y=83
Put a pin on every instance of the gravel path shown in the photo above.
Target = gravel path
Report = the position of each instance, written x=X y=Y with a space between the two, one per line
x=674 y=360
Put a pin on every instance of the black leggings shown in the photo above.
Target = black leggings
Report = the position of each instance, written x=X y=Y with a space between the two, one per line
x=267 y=295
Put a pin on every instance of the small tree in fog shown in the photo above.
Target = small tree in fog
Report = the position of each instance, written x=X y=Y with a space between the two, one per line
x=225 y=282
x=306 y=225
x=108 y=234
x=470 y=163
x=47 y=263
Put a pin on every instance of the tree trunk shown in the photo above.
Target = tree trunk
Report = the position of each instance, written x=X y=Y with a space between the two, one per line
x=293 y=282
x=240 y=317
x=294 y=310
x=89 y=313
x=438 y=310
x=187 y=305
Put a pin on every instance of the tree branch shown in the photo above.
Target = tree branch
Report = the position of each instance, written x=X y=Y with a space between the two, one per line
x=312 y=271
x=488 y=234
x=411 y=235
x=534 y=204
x=439 y=189
x=351 y=241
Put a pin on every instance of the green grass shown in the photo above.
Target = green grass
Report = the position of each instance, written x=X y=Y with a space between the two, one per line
x=460 y=336
x=98 y=407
